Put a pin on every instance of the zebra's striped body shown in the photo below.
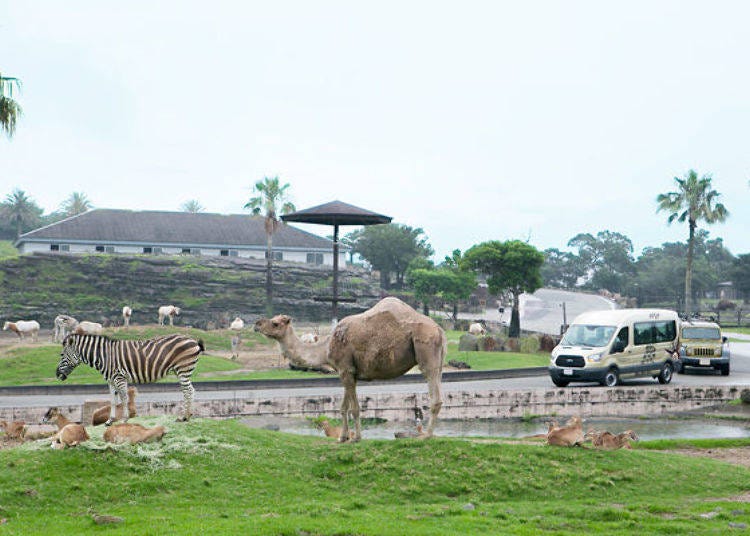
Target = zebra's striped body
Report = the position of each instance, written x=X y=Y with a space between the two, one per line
x=144 y=361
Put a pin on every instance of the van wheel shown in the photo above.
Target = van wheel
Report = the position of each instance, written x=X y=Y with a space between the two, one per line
x=560 y=383
x=611 y=379
x=725 y=370
x=665 y=376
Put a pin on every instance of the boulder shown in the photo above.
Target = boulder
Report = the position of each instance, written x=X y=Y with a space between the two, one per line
x=468 y=343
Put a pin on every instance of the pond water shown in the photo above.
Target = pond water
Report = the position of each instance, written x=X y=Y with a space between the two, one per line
x=645 y=428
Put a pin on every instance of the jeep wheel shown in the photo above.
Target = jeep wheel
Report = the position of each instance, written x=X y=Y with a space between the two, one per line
x=665 y=376
x=725 y=370
x=560 y=383
x=611 y=379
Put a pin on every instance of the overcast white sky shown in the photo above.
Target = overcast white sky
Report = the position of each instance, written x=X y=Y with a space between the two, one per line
x=472 y=120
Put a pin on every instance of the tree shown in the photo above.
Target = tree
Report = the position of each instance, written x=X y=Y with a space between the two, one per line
x=192 y=206
x=349 y=240
x=561 y=269
x=20 y=211
x=390 y=248
x=607 y=259
x=271 y=199
x=450 y=286
x=77 y=203
x=741 y=273
x=693 y=201
x=10 y=110
x=512 y=266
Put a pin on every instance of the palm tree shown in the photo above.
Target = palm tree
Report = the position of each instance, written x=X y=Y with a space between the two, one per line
x=693 y=201
x=192 y=206
x=271 y=199
x=10 y=110
x=20 y=209
x=77 y=203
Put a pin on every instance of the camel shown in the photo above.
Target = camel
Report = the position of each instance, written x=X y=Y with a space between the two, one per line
x=383 y=342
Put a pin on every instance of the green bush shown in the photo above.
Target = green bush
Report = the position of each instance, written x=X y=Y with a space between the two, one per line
x=529 y=345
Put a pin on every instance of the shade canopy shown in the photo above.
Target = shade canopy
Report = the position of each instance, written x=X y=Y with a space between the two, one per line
x=337 y=213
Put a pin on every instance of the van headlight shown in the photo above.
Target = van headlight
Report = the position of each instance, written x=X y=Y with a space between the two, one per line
x=595 y=358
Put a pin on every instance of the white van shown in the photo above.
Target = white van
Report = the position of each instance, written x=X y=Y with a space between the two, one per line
x=606 y=346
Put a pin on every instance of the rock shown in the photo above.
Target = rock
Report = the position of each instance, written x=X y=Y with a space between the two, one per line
x=458 y=364
x=468 y=343
x=469 y=507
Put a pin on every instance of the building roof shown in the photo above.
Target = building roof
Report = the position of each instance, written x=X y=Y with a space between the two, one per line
x=113 y=226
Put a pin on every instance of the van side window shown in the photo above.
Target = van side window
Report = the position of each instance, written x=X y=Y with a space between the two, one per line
x=621 y=341
x=654 y=332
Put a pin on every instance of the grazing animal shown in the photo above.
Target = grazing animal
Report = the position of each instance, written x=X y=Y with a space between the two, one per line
x=64 y=325
x=133 y=433
x=384 y=342
x=168 y=311
x=570 y=435
x=127 y=312
x=88 y=328
x=237 y=325
x=477 y=329
x=13 y=429
x=55 y=415
x=610 y=441
x=139 y=361
x=70 y=435
x=333 y=431
x=309 y=337
x=101 y=415
x=22 y=328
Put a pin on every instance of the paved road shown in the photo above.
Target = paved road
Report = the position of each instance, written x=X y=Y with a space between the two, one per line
x=543 y=311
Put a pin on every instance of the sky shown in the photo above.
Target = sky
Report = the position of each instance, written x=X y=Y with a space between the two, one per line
x=474 y=121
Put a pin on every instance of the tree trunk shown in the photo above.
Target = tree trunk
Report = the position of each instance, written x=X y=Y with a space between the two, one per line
x=689 y=269
x=269 y=276
x=385 y=280
x=515 y=317
x=425 y=309
x=455 y=314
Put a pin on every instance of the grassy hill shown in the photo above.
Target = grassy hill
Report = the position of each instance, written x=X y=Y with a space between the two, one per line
x=210 y=290
x=219 y=477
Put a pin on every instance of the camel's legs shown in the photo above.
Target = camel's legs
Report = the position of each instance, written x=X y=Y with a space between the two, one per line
x=349 y=407
x=430 y=361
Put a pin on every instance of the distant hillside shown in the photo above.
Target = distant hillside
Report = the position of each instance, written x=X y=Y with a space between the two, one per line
x=7 y=249
x=210 y=290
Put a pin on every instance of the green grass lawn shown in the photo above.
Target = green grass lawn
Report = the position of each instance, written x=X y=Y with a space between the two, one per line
x=219 y=477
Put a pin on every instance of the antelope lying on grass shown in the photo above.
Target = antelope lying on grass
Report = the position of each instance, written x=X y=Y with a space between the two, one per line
x=133 y=433
x=570 y=435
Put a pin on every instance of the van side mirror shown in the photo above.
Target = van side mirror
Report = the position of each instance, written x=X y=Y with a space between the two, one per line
x=724 y=339
x=618 y=347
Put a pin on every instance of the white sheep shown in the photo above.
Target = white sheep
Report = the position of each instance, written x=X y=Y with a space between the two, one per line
x=169 y=311
x=477 y=329
x=88 y=328
x=23 y=328
x=127 y=312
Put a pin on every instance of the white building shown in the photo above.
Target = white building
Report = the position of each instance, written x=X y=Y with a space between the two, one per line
x=148 y=232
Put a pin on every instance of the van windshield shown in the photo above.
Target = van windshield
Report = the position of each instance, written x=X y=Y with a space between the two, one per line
x=701 y=333
x=583 y=335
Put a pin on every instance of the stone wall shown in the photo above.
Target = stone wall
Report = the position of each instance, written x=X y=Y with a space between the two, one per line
x=626 y=401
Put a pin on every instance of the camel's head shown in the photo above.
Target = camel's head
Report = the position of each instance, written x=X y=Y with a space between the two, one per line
x=275 y=327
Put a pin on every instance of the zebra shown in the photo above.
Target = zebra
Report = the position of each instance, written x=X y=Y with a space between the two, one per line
x=64 y=324
x=137 y=361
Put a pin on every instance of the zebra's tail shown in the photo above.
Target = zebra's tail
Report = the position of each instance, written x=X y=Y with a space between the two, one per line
x=201 y=345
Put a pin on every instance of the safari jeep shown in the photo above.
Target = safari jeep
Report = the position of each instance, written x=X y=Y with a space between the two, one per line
x=607 y=346
x=703 y=346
